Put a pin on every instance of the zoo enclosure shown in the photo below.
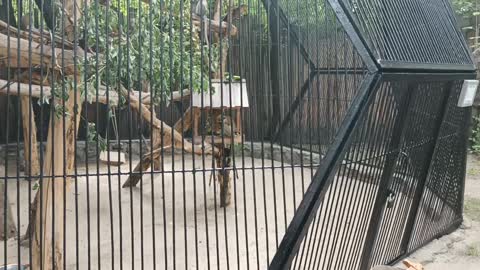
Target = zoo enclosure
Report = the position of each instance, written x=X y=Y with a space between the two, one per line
x=351 y=151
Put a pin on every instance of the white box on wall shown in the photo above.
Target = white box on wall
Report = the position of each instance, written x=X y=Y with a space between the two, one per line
x=469 y=91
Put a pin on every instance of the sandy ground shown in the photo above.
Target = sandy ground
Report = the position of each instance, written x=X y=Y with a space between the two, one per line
x=173 y=221
x=157 y=228
x=461 y=249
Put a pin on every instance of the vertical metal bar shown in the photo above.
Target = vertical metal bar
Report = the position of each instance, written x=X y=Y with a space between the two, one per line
x=423 y=176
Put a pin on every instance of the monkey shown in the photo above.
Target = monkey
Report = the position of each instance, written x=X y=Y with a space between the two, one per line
x=26 y=23
x=201 y=9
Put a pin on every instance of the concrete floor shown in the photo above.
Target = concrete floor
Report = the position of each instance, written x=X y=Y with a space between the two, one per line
x=461 y=249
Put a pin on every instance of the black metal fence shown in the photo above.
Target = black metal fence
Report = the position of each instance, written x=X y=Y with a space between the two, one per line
x=232 y=134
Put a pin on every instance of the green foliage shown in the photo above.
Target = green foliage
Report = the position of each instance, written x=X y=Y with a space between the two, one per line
x=306 y=14
x=155 y=44
x=465 y=8
x=475 y=138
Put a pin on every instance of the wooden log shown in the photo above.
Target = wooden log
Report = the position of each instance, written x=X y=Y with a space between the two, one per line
x=224 y=175
x=161 y=132
x=47 y=246
x=164 y=129
x=30 y=145
x=45 y=92
x=144 y=164
x=21 y=53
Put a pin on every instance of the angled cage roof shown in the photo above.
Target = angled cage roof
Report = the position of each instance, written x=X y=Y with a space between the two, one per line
x=410 y=34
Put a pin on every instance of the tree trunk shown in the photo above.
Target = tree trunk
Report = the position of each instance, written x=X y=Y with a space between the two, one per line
x=48 y=233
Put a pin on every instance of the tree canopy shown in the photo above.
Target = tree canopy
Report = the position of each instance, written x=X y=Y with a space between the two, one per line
x=154 y=45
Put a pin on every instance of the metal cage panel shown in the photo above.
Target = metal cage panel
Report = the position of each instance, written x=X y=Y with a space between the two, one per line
x=411 y=34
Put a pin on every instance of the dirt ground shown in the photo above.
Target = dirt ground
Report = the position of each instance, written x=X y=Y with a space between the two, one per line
x=461 y=249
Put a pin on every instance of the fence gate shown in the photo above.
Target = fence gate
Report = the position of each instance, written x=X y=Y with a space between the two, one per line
x=229 y=134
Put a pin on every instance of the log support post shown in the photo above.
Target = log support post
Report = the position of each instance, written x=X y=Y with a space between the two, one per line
x=30 y=144
x=49 y=231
